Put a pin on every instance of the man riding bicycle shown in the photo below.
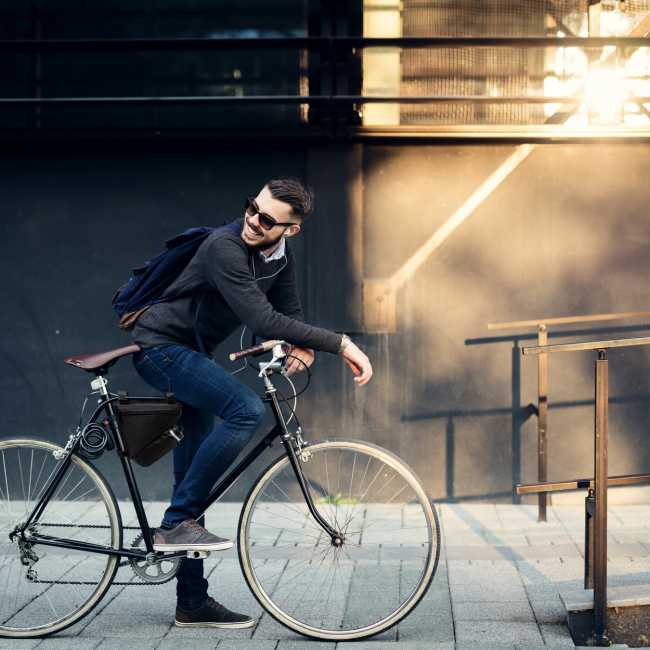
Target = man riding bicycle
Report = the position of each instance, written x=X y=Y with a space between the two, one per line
x=249 y=279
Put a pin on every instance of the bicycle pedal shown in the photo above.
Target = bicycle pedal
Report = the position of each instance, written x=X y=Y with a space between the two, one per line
x=198 y=555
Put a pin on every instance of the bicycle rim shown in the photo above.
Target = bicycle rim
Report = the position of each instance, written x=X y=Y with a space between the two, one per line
x=45 y=589
x=389 y=551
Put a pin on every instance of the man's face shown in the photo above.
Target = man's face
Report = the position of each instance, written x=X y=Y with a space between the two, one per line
x=255 y=236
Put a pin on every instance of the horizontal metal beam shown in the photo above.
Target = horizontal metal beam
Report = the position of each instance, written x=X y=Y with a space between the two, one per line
x=312 y=43
x=510 y=132
x=492 y=41
x=165 y=44
x=581 y=483
x=472 y=99
x=299 y=99
x=568 y=319
x=591 y=345
x=167 y=101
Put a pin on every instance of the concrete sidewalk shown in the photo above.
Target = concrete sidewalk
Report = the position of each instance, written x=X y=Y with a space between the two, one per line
x=498 y=583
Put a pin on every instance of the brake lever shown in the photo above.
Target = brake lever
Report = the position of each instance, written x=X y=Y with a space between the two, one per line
x=279 y=355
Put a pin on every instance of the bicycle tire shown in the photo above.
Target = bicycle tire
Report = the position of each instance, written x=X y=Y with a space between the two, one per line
x=350 y=616
x=48 y=594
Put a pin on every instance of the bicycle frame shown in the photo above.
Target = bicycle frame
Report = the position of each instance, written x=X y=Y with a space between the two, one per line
x=280 y=430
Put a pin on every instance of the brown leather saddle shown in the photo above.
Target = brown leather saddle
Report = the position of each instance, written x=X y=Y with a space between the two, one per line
x=100 y=363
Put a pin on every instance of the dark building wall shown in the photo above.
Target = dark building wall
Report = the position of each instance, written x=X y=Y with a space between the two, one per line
x=566 y=233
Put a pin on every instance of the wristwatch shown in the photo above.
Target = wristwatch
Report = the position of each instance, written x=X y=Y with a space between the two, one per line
x=345 y=342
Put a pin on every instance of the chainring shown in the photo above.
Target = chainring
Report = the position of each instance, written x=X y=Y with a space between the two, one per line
x=158 y=573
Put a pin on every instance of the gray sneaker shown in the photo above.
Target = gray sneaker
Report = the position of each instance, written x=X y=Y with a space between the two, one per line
x=188 y=536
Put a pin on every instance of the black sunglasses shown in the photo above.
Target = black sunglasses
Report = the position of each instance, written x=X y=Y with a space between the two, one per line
x=265 y=221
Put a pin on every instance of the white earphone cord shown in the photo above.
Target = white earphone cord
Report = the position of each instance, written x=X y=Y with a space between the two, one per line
x=241 y=339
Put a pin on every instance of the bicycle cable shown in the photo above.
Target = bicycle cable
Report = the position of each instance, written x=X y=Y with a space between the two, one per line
x=293 y=413
x=83 y=408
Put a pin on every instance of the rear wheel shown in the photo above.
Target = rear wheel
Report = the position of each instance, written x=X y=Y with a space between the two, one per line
x=45 y=589
x=367 y=578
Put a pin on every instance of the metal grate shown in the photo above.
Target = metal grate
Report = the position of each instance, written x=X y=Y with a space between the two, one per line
x=504 y=71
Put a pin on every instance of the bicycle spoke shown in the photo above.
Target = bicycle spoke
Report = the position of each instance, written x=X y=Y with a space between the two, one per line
x=398 y=508
x=340 y=588
x=298 y=584
x=362 y=497
x=47 y=592
x=347 y=510
x=309 y=559
x=257 y=523
x=22 y=480
x=7 y=487
x=358 y=566
x=302 y=514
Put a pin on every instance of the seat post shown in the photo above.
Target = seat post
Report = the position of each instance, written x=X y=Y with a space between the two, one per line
x=100 y=384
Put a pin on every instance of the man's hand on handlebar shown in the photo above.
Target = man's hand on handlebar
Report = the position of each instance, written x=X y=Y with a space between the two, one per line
x=359 y=363
x=294 y=365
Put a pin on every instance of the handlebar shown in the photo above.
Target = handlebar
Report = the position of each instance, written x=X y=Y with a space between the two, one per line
x=255 y=349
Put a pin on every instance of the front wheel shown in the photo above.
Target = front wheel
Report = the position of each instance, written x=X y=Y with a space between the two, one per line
x=377 y=569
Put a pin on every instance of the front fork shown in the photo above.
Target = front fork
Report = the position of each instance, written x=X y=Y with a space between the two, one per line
x=293 y=459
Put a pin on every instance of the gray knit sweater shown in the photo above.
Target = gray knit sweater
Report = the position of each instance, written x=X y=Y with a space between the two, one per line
x=240 y=289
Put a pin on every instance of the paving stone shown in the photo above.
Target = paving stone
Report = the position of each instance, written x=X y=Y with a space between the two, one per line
x=491 y=611
x=179 y=634
x=19 y=644
x=540 y=647
x=556 y=635
x=433 y=630
x=122 y=619
x=271 y=629
x=305 y=644
x=487 y=593
x=485 y=646
x=134 y=644
x=190 y=644
x=543 y=592
x=244 y=644
x=494 y=576
x=498 y=632
x=420 y=645
x=549 y=611
x=79 y=643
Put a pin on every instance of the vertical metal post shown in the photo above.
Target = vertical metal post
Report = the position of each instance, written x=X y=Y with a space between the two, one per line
x=542 y=403
x=589 y=540
x=600 y=497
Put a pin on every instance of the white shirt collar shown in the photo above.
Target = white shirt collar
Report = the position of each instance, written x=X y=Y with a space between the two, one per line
x=277 y=254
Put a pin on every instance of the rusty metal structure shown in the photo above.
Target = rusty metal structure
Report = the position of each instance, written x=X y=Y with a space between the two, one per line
x=596 y=501
x=542 y=382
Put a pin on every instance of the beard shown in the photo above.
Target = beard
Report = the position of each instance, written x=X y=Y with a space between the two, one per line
x=264 y=242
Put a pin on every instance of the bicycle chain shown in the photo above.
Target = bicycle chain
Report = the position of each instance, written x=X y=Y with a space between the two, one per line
x=89 y=526
x=113 y=584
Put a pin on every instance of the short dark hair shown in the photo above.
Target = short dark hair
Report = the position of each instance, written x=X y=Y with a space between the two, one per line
x=293 y=191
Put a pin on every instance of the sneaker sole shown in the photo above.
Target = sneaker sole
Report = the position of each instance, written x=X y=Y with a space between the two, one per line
x=223 y=625
x=222 y=546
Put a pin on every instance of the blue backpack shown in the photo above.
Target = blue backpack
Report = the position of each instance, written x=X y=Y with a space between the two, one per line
x=133 y=300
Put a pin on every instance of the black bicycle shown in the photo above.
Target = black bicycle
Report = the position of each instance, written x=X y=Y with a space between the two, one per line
x=337 y=539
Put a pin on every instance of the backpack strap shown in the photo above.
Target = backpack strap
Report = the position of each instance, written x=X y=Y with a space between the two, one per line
x=196 y=327
x=236 y=229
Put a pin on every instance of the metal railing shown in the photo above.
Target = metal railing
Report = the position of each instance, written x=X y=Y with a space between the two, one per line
x=596 y=502
x=542 y=383
x=337 y=106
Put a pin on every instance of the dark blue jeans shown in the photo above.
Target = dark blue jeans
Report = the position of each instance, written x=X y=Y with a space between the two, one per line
x=206 y=390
